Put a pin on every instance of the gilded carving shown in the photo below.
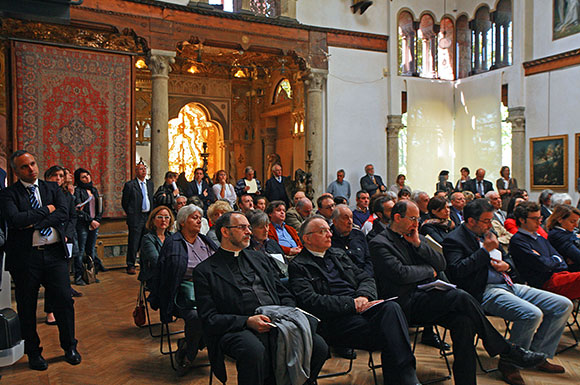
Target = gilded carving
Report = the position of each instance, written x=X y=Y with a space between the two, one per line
x=188 y=85
x=126 y=41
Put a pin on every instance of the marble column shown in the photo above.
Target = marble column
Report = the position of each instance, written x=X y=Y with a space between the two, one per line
x=315 y=83
x=394 y=125
x=159 y=63
x=518 y=120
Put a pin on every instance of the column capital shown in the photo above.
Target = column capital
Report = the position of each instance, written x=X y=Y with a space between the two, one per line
x=394 y=125
x=314 y=79
x=517 y=117
x=159 y=62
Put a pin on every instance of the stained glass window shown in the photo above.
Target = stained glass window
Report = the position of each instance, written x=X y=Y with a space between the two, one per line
x=283 y=91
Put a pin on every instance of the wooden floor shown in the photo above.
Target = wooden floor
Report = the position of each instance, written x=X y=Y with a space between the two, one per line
x=115 y=351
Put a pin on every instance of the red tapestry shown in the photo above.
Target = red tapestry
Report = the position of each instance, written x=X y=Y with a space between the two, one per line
x=74 y=110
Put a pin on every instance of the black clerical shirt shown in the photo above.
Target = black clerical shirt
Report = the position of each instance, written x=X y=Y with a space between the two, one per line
x=254 y=292
x=337 y=285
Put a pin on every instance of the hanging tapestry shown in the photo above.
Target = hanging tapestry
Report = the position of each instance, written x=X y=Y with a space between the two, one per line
x=73 y=108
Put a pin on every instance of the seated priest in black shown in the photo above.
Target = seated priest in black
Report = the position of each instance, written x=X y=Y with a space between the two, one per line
x=329 y=285
x=352 y=241
x=403 y=260
x=229 y=286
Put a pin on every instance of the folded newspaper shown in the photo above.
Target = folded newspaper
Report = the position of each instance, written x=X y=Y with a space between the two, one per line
x=437 y=285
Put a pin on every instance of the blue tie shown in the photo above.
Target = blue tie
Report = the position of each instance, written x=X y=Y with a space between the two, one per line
x=145 y=202
x=36 y=205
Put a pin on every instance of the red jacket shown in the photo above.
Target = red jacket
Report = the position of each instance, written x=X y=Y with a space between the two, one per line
x=510 y=225
x=272 y=234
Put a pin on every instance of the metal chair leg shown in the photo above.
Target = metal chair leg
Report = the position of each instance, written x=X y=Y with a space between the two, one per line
x=570 y=325
x=338 y=374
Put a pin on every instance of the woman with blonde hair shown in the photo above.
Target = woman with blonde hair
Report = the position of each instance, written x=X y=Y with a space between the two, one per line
x=562 y=225
x=215 y=211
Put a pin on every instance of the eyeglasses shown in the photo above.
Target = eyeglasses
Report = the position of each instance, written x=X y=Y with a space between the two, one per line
x=240 y=227
x=538 y=218
x=413 y=219
x=321 y=231
x=487 y=221
x=163 y=217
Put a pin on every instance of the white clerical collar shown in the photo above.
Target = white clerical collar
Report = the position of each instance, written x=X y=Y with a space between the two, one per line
x=235 y=252
x=316 y=253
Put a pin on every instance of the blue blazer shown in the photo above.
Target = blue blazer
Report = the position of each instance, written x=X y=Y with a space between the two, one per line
x=567 y=244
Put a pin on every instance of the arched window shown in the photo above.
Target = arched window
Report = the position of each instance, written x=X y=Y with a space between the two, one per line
x=502 y=33
x=427 y=47
x=407 y=34
x=187 y=134
x=463 y=47
x=481 y=41
x=283 y=91
x=445 y=53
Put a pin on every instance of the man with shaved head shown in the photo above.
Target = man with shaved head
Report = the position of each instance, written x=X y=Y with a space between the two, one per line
x=329 y=285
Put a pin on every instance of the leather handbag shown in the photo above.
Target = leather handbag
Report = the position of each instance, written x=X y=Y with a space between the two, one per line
x=89 y=273
x=185 y=296
x=139 y=311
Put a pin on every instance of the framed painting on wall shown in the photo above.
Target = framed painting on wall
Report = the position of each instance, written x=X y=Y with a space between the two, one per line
x=565 y=18
x=549 y=162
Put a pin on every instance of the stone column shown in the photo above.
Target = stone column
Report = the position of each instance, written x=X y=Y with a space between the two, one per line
x=394 y=125
x=518 y=120
x=315 y=83
x=270 y=148
x=159 y=63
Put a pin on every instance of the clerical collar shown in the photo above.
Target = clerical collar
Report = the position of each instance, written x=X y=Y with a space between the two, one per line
x=316 y=253
x=235 y=253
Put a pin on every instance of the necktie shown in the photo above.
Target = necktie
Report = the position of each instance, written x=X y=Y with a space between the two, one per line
x=481 y=188
x=145 y=201
x=36 y=205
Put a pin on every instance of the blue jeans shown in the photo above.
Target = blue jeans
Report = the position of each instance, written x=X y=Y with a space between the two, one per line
x=529 y=309
x=87 y=240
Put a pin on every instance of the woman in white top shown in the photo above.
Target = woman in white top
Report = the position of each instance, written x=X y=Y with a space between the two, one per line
x=222 y=189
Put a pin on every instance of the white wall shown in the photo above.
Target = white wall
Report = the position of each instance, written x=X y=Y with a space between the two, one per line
x=357 y=114
x=543 y=43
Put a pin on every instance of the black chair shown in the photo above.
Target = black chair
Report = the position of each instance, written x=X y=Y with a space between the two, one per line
x=442 y=353
x=505 y=335
x=149 y=325
x=570 y=325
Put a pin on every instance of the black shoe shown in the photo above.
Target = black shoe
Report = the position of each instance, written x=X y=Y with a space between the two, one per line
x=522 y=358
x=75 y=293
x=37 y=362
x=432 y=339
x=100 y=267
x=97 y=280
x=79 y=282
x=348 y=353
x=72 y=356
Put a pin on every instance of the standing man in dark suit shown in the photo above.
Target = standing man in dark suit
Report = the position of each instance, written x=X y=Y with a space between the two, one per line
x=479 y=186
x=276 y=186
x=137 y=202
x=199 y=187
x=229 y=286
x=372 y=183
x=36 y=253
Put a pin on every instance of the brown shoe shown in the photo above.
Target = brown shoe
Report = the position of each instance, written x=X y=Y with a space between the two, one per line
x=131 y=270
x=550 y=368
x=510 y=373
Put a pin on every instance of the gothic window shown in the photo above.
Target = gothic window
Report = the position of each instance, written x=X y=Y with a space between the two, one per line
x=427 y=47
x=283 y=91
x=268 y=8
x=502 y=34
x=445 y=52
x=407 y=35
x=481 y=41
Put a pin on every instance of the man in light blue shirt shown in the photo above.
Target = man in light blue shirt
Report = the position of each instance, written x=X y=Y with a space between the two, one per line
x=340 y=187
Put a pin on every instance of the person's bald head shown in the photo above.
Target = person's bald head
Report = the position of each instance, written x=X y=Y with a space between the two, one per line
x=342 y=220
x=304 y=207
x=480 y=174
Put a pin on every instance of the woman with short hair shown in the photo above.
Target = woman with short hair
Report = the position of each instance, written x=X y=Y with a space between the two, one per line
x=159 y=225
x=180 y=254
x=562 y=233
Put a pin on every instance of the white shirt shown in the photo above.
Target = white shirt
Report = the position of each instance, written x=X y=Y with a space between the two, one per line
x=37 y=238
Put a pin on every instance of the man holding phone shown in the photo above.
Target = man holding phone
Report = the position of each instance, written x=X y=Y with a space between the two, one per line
x=477 y=264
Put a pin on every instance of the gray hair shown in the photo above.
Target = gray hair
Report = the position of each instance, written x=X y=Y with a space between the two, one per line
x=248 y=169
x=257 y=218
x=490 y=193
x=416 y=194
x=304 y=226
x=337 y=210
x=560 y=199
x=302 y=202
x=545 y=195
x=392 y=195
x=185 y=212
